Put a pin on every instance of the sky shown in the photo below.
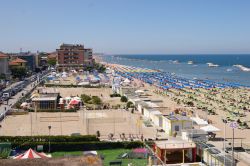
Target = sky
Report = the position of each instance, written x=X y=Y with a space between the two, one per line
x=127 y=26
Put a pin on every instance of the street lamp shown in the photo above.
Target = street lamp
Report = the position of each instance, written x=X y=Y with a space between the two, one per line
x=49 y=127
x=224 y=144
x=61 y=103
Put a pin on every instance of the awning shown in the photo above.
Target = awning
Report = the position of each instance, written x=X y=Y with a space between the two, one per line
x=210 y=128
x=199 y=121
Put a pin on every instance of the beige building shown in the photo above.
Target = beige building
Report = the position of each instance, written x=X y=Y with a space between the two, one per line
x=44 y=100
x=4 y=64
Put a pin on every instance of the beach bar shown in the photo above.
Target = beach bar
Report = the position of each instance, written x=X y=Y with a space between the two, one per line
x=175 y=150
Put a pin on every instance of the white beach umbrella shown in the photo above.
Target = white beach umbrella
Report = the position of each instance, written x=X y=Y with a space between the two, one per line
x=64 y=76
x=126 y=81
x=77 y=98
x=84 y=83
x=139 y=91
x=24 y=104
x=64 y=73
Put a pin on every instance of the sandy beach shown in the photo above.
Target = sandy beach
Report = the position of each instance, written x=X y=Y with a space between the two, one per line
x=210 y=104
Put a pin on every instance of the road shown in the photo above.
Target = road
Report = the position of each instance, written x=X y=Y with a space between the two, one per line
x=4 y=108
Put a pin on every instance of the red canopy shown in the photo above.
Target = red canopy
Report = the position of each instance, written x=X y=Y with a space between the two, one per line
x=31 y=154
x=74 y=102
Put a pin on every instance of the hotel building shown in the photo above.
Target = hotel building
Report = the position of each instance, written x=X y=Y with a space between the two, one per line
x=70 y=56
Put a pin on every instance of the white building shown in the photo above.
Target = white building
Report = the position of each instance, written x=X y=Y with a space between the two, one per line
x=176 y=123
x=88 y=57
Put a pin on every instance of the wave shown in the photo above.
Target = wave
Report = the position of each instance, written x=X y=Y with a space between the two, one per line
x=212 y=65
x=242 y=68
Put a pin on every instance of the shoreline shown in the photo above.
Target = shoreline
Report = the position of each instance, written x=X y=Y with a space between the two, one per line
x=228 y=102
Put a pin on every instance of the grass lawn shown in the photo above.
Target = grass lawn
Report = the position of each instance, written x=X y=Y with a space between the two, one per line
x=109 y=155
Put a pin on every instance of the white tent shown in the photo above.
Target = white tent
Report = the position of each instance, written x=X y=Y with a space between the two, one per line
x=210 y=128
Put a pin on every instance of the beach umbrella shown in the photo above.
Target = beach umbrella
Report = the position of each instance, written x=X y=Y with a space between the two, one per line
x=139 y=91
x=31 y=154
x=77 y=98
x=74 y=102
x=35 y=95
x=84 y=83
x=126 y=81
x=64 y=76
x=24 y=104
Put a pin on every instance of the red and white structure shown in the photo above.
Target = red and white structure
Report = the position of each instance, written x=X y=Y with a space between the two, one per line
x=31 y=154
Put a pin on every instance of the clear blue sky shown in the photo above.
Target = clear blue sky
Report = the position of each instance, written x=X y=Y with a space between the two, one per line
x=127 y=26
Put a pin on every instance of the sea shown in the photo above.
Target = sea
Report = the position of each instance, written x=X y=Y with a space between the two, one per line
x=199 y=69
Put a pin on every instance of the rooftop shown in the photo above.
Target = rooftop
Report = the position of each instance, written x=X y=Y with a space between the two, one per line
x=177 y=117
x=175 y=143
x=2 y=55
x=44 y=98
x=18 y=60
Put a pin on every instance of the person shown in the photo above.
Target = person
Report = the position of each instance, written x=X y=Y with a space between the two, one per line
x=142 y=137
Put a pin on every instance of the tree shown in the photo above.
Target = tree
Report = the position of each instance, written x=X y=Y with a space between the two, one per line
x=96 y=100
x=190 y=103
x=52 y=62
x=124 y=99
x=18 y=72
x=2 y=76
x=130 y=104
x=98 y=134
x=85 y=98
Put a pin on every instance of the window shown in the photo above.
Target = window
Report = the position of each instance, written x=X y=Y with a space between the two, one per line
x=176 y=128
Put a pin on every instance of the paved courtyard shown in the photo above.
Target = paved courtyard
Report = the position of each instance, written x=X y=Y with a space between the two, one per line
x=83 y=122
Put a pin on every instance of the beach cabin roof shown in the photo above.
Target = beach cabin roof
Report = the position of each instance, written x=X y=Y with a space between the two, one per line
x=152 y=105
x=156 y=112
x=44 y=99
x=177 y=117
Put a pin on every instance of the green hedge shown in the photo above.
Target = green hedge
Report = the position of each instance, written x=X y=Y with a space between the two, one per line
x=78 y=146
x=115 y=95
x=22 y=139
x=73 y=86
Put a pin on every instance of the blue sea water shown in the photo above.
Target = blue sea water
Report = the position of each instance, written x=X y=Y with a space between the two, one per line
x=226 y=72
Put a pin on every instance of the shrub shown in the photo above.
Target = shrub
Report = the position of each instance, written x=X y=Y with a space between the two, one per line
x=78 y=146
x=124 y=99
x=96 y=100
x=4 y=153
x=85 y=98
x=22 y=139
x=115 y=95
x=130 y=104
